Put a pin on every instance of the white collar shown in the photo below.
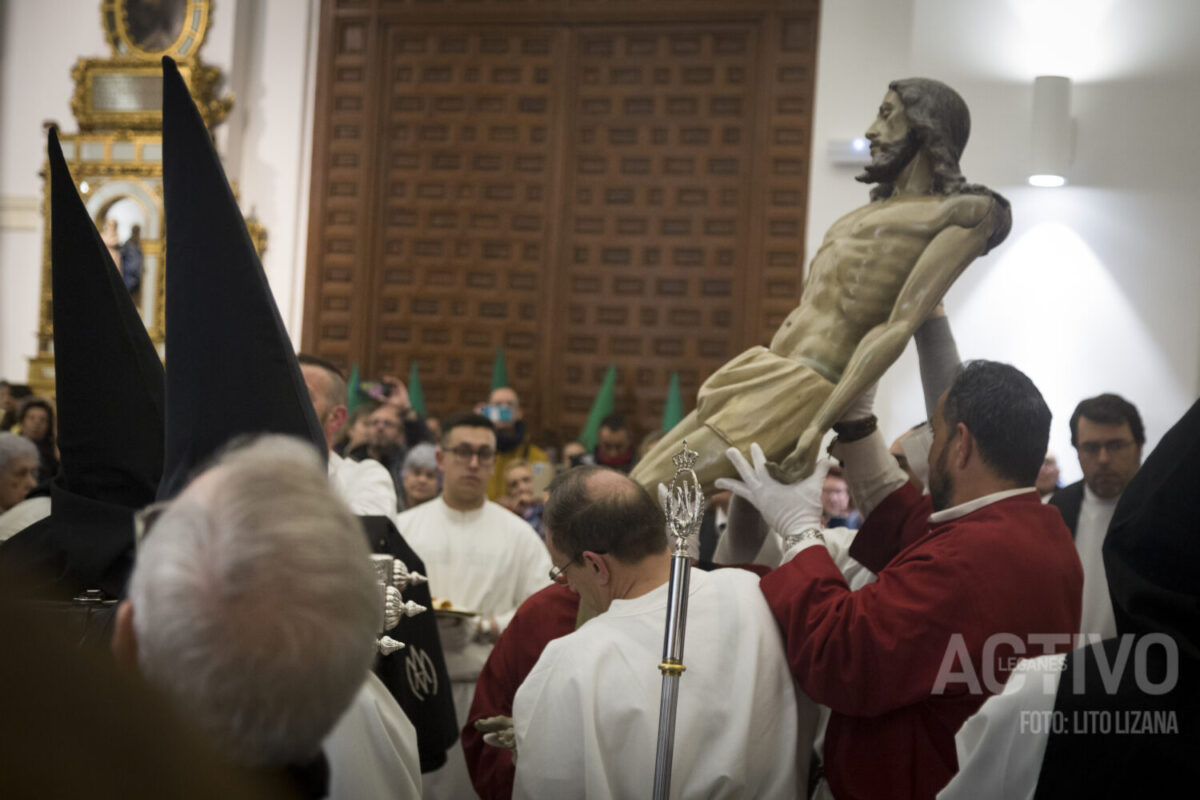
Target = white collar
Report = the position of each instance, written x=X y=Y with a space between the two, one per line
x=454 y=513
x=962 y=509
x=1091 y=498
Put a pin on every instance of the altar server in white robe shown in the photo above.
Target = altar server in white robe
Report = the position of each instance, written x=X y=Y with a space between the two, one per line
x=365 y=486
x=478 y=556
x=586 y=718
x=372 y=750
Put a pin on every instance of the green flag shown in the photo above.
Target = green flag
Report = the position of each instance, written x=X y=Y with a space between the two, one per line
x=673 y=410
x=601 y=408
x=416 y=395
x=499 y=371
x=352 y=399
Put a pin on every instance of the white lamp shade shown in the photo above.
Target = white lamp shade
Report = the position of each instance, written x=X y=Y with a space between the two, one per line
x=1052 y=131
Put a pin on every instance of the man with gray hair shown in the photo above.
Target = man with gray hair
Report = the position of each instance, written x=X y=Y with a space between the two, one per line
x=365 y=485
x=253 y=605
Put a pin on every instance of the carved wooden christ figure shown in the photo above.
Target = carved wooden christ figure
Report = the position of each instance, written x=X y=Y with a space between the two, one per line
x=879 y=273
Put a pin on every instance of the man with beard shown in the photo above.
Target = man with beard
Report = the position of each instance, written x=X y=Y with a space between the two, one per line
x=1108 y=434
x=879 y=273
x=393 y=430
x=969 y=577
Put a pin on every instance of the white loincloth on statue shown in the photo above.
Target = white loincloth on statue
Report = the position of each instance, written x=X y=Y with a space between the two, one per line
x=761 y=396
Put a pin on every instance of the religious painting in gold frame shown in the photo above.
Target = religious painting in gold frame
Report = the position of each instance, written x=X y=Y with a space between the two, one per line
x=116 y=158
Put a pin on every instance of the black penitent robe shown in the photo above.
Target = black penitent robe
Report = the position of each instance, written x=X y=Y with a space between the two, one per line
x=416 y=676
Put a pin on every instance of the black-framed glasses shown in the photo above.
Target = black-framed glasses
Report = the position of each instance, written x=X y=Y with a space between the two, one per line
x=556 y=573
x=464 y=453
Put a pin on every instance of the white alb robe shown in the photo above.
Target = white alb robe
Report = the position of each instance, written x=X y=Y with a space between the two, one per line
x=586 y=718
x=372 y=750
x=366 y=486
x=1001 y=746
x=488 y=561
x=1090 y=530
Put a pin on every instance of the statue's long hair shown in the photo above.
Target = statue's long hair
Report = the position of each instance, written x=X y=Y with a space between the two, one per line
x=940 y=120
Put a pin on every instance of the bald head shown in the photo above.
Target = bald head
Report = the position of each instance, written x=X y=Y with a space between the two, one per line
x=610 y=485
x=598 y=509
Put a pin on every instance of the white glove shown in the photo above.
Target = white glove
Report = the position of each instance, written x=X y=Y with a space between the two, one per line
x=498 y=732
x=862 y=406
x=787 y=508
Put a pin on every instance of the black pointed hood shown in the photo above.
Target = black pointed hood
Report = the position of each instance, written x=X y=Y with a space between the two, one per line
x=231 y=369
x=110 y=406
x=1152 y=550
x=109 y=377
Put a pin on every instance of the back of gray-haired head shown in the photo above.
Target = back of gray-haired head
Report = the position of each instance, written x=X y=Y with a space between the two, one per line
x=422 y=456
x=12 y=447
x=255 y=605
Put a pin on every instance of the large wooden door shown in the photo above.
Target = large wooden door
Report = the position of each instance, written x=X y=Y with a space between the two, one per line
x=582 y=183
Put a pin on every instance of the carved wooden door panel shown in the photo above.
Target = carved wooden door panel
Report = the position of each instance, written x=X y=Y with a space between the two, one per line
x=574 y=188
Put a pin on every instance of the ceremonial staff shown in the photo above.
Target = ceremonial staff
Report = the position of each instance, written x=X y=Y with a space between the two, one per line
x=684 y=507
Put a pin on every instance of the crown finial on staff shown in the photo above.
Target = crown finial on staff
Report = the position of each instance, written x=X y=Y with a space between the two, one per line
x=685 y=459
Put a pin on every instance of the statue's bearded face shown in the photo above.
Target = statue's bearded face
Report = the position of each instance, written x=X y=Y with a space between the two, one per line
x=893 y=142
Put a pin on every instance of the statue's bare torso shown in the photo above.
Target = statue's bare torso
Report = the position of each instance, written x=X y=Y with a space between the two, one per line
x=856 y=277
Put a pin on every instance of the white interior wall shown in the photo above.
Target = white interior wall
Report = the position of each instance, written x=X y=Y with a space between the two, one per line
x=1095 y=289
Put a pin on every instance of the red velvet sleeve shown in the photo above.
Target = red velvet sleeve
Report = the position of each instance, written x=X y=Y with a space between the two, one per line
x=897 y=522
x=871 y=651
x=545 y=616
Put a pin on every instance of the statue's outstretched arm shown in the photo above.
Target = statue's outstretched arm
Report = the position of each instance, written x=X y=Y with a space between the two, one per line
x=947 y=255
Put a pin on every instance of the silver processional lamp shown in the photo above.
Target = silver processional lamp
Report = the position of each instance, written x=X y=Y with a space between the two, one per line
x=392 y=576
x=684 y=511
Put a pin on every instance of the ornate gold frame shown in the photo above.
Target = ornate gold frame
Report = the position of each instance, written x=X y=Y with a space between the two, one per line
x=118 y=153
x=114 y=16
x=122 y=79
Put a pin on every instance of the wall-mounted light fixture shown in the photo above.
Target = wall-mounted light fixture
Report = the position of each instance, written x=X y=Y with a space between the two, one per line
x=1053 y=131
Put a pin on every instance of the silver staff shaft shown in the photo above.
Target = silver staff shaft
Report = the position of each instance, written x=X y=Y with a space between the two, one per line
x=672 y=668
x=684 y=507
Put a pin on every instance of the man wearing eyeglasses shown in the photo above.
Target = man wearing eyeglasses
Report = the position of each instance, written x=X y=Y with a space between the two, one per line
x=585 y=719
x=479 y=557
x=1108 y=435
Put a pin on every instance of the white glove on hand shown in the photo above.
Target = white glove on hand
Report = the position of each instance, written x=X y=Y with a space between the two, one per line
x=862 y=407
x=498 y=732
x=787 y=508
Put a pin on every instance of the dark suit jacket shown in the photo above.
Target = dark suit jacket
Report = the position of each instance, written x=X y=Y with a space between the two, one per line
x=1068 y=500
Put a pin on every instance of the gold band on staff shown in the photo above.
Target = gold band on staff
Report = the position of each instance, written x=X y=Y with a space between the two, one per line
x=671 y=667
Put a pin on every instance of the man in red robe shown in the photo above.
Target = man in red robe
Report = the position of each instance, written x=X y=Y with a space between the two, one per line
x=544 y=616
x=970 y=578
